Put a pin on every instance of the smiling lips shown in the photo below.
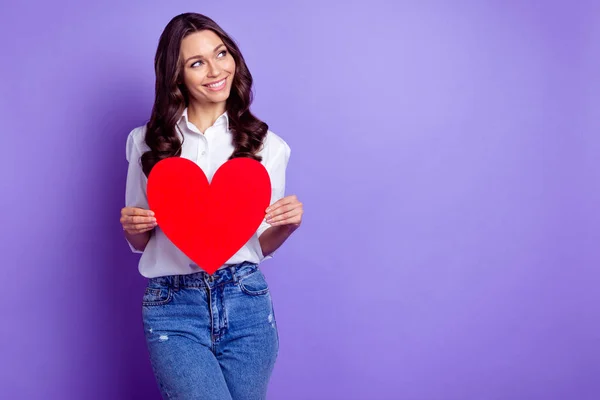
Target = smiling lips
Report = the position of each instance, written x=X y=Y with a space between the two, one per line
x=216 y=86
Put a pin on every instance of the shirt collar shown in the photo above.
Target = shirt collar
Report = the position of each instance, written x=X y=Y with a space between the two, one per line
x=222 y=119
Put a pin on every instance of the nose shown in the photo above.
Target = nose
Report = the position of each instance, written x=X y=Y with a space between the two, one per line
x=213 y=69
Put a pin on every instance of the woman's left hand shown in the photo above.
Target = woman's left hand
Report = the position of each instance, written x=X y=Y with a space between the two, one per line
x=285 y=211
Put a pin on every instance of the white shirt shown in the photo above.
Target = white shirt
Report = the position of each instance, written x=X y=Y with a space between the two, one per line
x=209 y=151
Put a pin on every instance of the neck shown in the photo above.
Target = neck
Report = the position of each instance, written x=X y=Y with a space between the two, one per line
x=203 y=116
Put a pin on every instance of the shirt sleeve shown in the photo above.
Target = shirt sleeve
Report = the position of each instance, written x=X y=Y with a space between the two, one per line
x=135 y=190
x=276 y=168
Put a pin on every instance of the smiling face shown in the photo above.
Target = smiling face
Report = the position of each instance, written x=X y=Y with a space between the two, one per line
x=208 y=67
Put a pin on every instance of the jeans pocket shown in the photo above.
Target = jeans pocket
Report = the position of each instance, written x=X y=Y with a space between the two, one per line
x=254 y=284
x=157 y=296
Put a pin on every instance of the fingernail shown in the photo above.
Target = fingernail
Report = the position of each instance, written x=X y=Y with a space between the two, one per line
x=151 y=214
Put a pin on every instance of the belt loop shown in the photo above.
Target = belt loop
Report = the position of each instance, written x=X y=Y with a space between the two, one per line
x=176 y=282
x=206 y=278
x=233 y=274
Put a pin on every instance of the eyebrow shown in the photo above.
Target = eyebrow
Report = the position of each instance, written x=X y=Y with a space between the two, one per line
x=198 y=56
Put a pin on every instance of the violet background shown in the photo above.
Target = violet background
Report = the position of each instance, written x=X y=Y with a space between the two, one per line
x=446 y=154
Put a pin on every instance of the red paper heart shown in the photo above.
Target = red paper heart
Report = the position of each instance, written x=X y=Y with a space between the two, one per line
x=209 y=223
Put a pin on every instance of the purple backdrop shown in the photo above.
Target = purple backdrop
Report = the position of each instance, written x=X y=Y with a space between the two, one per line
x=447 y=158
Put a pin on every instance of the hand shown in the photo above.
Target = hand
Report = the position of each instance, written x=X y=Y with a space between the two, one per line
x=137 y=220
x=285 y=211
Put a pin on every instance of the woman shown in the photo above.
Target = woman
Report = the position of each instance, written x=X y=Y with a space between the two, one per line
x=209 y=336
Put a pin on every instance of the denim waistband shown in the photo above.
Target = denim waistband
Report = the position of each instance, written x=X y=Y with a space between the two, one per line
x=202 y=278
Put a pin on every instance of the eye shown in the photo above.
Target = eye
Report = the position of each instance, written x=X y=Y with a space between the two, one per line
x=196 y=63
x=224 y=52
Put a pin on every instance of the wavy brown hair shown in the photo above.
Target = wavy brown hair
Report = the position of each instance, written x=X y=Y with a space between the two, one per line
x=171 y=96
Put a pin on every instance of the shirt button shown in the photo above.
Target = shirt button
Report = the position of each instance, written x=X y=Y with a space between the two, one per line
x=204 y=152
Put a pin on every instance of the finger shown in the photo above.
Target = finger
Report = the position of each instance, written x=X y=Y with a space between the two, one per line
x=295 y=205
x=139 y=226
x=145 y=229
x=143 y=212
x=144 y=226
x=137 y=229
x=141 y=220
x=279 y=211
x=132 y=211
x=296 y=219
x=290 y=205
x=273 y=207
x=287 y=215
x=279 y=214
x=281 y=202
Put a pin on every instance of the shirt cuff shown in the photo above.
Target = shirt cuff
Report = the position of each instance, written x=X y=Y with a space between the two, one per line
x=261 y=229
x=133 y=249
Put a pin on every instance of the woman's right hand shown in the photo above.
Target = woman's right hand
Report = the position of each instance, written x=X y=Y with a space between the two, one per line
x=137 y=220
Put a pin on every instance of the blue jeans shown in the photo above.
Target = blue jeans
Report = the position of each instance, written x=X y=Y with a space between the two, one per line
x=211 y=337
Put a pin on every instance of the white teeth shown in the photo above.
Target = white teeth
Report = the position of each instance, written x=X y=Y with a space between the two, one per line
x=216 y=85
